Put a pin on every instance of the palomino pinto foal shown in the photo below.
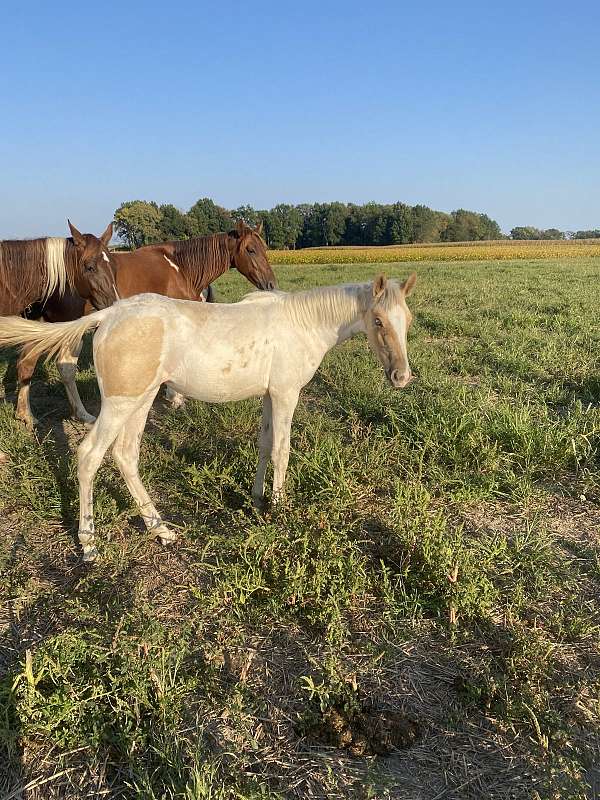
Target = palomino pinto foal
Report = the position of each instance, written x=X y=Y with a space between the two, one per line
x=268 y=345
x=183 y=270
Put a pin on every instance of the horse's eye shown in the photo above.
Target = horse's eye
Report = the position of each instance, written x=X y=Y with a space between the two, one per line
x=252 y=252
x=378 y=322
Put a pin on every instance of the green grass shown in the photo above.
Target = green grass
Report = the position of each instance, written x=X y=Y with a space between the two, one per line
x=209 y=670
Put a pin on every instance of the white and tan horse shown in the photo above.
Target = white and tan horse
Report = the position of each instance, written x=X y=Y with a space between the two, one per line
x=267 y=345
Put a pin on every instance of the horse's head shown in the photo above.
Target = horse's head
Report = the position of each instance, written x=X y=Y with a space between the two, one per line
x=95 y=273
x=250 y=256
x=387 y=321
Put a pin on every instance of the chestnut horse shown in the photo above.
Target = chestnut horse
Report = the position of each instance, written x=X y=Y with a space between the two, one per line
x=182 y=270
x=268 y=345
x=35 y=270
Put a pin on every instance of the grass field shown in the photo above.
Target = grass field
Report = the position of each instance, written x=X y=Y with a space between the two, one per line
x=421 y=620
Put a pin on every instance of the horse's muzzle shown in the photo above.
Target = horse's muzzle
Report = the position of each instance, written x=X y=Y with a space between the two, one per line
x=400 y=380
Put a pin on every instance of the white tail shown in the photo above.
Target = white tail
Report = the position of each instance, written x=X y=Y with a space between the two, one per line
x=46 y=337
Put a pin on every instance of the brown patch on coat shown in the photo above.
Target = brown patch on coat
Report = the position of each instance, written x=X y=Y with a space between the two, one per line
x=128 y=360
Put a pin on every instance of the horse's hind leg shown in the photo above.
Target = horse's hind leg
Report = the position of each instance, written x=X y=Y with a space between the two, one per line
x=265 y=443
x=67 y=366
x=114 y=414
x=176 y=399
x=126 y=454
x=25 y=369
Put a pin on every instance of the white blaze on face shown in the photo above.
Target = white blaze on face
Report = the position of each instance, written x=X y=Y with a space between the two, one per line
x=105 y=257
x=172 y=263
x=397 y=318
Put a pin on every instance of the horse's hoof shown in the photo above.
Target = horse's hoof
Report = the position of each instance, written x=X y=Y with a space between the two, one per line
x=29 y=421
x=165 y=535
x=90 y=555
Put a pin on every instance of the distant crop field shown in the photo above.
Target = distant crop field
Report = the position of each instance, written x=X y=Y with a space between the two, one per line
x=421 y=619
x=452 y=251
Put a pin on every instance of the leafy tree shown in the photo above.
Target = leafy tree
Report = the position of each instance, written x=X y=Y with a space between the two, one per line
x=468 y=226
x=137 y=223
x=400 y=227
x=174 y=224
x=428 y=225
x=324 y=224
x=206 y=217
x=592 y=234
x=282 y=226
x=525 y=232
x=552 y=233
x=248 y=214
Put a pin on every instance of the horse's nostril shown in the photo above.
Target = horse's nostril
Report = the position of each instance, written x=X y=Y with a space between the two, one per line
x=270 y=286
x=400 y=379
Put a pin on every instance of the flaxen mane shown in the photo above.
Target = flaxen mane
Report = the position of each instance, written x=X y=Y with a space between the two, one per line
x=330 y=302
x=202 y=259
x=33 y=270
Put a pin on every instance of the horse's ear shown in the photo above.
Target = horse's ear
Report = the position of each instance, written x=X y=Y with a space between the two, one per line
x=379 y=285
x=77 y=237
x=408 y=285
x=107 y=235
x=240 y=227
x=259 y=228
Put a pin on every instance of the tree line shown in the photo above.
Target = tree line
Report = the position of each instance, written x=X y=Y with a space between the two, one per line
x=529 y=232
x=141 y=222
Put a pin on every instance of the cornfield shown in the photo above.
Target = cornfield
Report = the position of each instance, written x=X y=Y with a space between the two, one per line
x=459 y=251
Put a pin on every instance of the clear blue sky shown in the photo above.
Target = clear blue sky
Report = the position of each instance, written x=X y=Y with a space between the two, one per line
x=493 y=107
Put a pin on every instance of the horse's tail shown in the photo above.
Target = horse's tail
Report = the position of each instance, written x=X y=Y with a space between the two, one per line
x=47 y=337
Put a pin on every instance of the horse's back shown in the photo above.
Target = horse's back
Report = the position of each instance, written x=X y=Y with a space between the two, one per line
x=147 y=271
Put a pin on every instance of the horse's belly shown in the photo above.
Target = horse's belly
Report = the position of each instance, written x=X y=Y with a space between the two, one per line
x=220 y=386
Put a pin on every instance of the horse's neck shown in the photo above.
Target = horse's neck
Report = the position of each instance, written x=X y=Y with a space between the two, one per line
x=335 y=312
x=203 y=271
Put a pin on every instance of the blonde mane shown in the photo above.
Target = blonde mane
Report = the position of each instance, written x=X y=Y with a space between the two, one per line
x=56 y=267
x=331 y=304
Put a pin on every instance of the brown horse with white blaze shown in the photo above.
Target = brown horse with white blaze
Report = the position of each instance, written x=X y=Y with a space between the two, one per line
x=182 y=270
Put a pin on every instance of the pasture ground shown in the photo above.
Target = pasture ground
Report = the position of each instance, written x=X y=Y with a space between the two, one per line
x=422 y=618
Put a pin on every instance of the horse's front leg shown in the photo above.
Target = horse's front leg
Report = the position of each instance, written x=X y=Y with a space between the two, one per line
x=265 y=443
x=283 y=407
x=67 y=367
